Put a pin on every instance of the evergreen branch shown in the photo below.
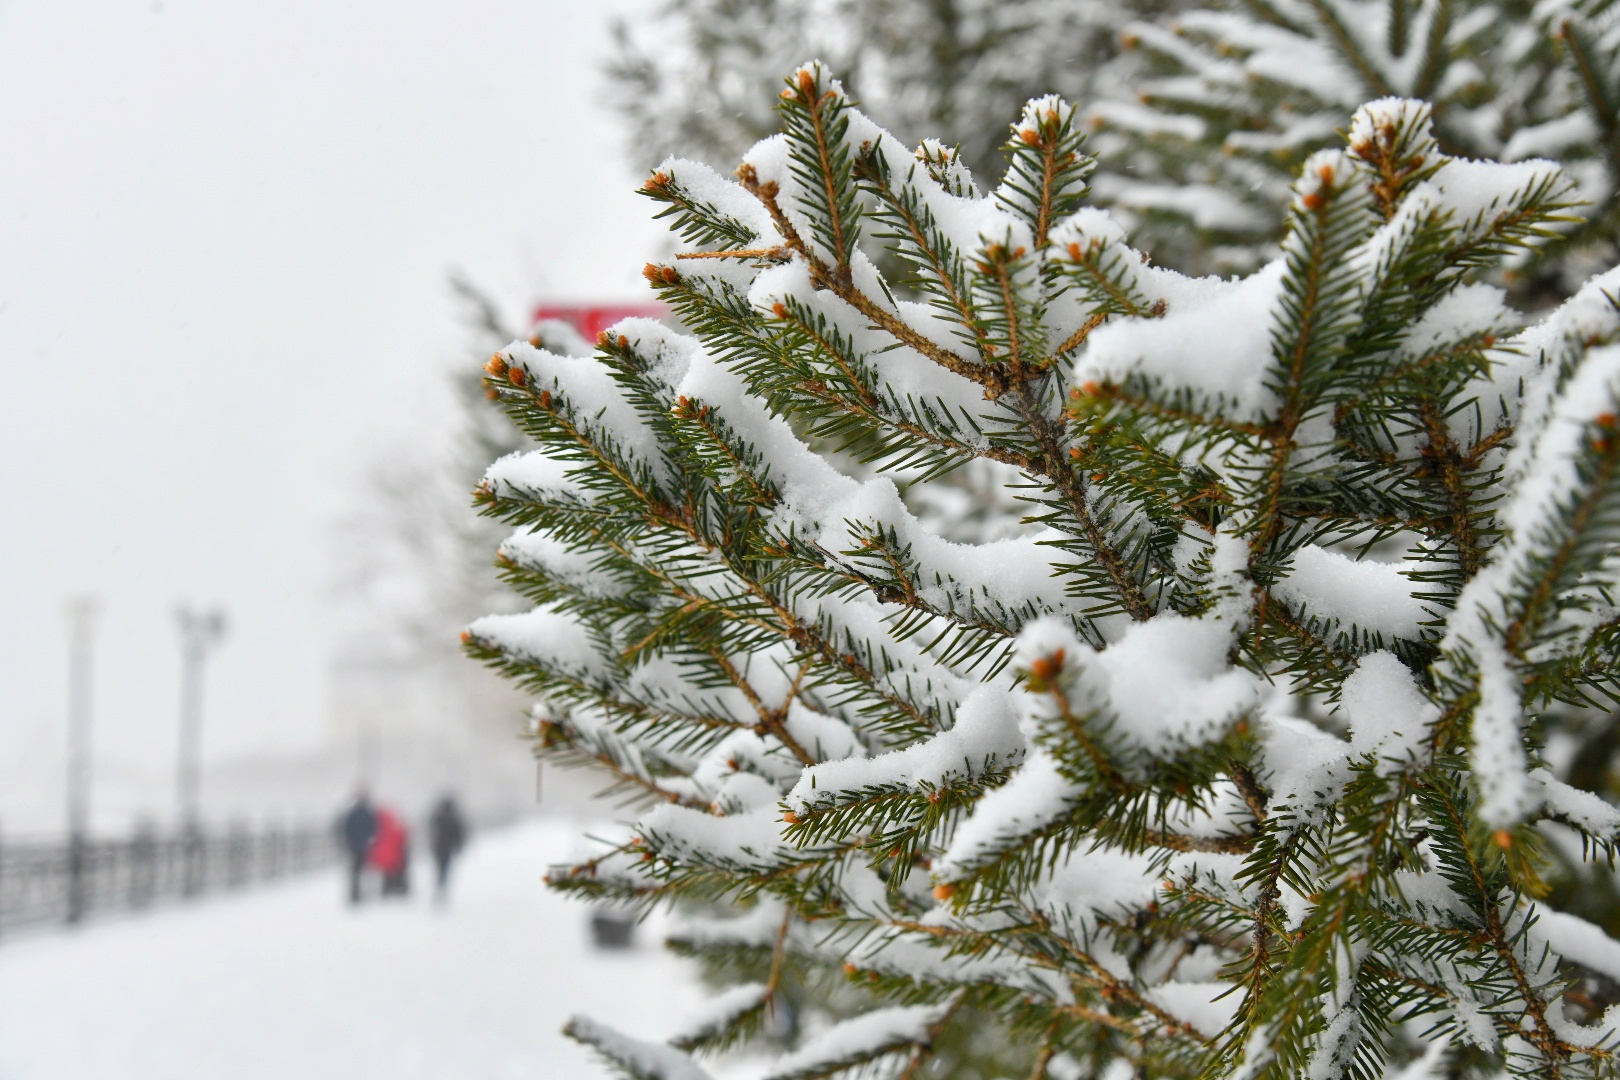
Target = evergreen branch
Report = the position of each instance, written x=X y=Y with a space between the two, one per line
x=1078 y=338
x=923 y=1052
x=1494 y=441
x=773 y=981
x=1373 y=80
x=1576 y=519
x=1114 y=987
x=904 y=592
x=1601 y=103
x=997 y=260
x=874 y=170
x=1216 y=508
x=827 y=278
x=553 y=679
x=1554 y=1050
x=1254 y=796
x=1054 y=464
x=699 y=415
x=1448 y=465
x=806 y=91
x=551 y=408
x=830 y=349
x=1434 y=51
x=1111 y=392
x=1048 y=1047
x=776 y=253
x=965 y=451
x=1116 y=296
x=789 y=625
x=771 y=721
x=646 y=784
x=1508 y=230
x=696 y=220
x=1274 y=612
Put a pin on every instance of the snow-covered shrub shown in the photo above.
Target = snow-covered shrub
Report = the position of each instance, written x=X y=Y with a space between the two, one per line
x=1230 y=761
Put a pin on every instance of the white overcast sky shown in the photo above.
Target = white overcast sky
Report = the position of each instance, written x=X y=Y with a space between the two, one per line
x=225 y=230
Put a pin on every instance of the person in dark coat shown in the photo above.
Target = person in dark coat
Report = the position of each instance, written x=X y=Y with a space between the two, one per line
x=447 y=835
x=357 y=827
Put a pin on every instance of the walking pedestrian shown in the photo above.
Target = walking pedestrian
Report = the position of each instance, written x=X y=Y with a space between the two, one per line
x=357 y=827
x=391 y=853
x=447 y=835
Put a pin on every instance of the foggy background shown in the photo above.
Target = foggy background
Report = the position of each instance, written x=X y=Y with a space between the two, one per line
x=223 y=306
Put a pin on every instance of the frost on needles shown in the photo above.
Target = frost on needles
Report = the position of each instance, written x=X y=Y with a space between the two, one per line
x=1230 y=761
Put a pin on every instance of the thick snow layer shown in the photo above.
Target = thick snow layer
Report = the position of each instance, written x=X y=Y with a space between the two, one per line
x=986 y=732
x=1338 y=589
x=532 y=471
x=705 y=186
x=551 y=638
x=650 y=1060
x=567 y=564
x=1590 y=812
x=1166 y=683
x=1170 y=684
x=1477 y=192
x=1207 y=1006
x=1214 y=337
x=1579 y=941
x=591 y=392
x=1304 y=766
x=1576 y=387
x=723 y=1009
x=1551 y=139
x=750 y=840
x=1035 y=797
x=862 y=1035
x=1102 y=881
x=1501 y=766
x=1205 y=205
x=1388 y=714
x=1468 y=310
x=288 y=982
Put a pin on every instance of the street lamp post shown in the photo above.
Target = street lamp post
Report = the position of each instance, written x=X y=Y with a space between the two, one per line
x=81 y=614
x=200 y=631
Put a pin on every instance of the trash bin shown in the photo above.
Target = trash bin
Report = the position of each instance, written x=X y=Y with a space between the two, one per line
x=613 y=929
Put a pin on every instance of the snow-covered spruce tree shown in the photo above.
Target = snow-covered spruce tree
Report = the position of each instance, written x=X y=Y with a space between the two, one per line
x=697 y=79
x=1221 y=107
x=1236 y=767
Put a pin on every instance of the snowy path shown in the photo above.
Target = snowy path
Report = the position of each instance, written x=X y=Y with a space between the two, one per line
x=287 y=984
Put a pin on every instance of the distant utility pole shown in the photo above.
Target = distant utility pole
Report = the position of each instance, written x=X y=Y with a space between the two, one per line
x=200 y=631
x=81 y=613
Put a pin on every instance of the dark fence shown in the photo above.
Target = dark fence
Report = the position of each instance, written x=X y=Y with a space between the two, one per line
x=68 y=880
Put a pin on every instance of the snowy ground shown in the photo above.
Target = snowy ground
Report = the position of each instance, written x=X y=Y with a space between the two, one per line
x=288 y=983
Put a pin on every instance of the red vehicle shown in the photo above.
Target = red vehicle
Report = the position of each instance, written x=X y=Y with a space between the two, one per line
x=592 y=319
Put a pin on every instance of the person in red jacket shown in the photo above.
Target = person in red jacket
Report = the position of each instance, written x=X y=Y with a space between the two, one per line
x=391 y=852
